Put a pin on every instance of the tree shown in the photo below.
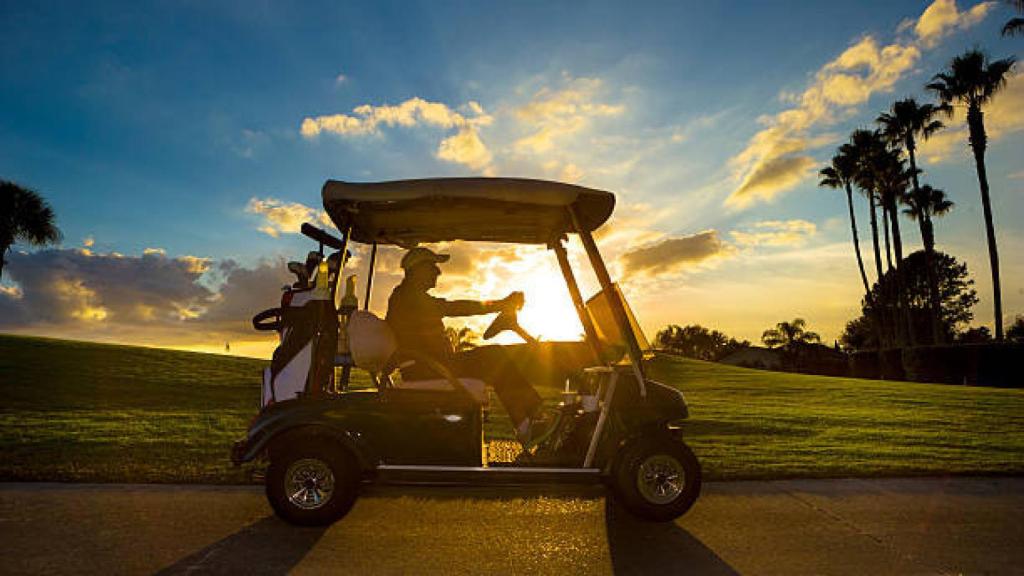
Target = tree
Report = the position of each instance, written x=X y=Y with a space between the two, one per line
x=840 y=175
x=24 y=217
x=695 y=341
x=461 y=339
x=886 y=173
x=924 y=203
x=788 y=335
x=861 y=142
x=1015 y=333
x=901 y=126
x=972 y=81
x=978 y=335
x=1016 y=24
x=905 y=122
x=957 y=297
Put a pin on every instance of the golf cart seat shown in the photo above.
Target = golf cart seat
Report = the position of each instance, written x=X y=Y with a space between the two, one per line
x=375 y=349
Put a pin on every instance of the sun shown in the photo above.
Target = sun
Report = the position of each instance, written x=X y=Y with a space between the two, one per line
x=548 y=313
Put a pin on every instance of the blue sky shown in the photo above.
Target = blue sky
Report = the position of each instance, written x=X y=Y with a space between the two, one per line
x=179 y=127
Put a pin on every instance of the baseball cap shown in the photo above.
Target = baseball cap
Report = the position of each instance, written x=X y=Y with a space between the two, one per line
x=420 y=255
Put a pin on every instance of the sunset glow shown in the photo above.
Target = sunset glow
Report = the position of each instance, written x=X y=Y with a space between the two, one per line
x=181 y=172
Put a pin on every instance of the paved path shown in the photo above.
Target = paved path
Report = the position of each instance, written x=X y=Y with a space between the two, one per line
x=892 y=526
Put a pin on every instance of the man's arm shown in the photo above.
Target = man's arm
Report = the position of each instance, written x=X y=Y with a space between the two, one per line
x=476 y=308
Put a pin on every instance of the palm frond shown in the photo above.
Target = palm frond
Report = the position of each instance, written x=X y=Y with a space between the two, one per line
x=1013 y=26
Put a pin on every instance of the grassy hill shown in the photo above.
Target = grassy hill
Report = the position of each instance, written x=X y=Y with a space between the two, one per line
x=93 y=412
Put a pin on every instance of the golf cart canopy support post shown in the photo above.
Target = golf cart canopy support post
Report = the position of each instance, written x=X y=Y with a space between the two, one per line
x=369 y=276
x=615 y=303
x=577 y=300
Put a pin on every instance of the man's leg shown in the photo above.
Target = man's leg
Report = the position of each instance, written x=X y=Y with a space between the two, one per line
x=493 y=365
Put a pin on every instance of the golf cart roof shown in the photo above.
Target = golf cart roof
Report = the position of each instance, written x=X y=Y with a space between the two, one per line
x=408 y=212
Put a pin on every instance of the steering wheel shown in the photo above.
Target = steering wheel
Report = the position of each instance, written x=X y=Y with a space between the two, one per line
x=508 y=319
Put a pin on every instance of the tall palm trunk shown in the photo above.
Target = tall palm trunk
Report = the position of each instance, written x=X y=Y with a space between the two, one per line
x=901 y=293
x=874 y=235
x=978 y=140
x=929 y=248
x=856 y=242
x=934 y=303
x=881 y=315
x=860 y=265
x=888 y=248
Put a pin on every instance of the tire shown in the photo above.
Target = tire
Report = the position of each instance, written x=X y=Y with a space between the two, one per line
x=657 y=478
x=312 y=482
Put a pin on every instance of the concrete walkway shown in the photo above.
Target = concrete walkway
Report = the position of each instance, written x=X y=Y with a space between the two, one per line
x=888 y=526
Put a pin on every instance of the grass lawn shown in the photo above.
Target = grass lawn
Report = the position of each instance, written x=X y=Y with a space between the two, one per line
x=78 y=411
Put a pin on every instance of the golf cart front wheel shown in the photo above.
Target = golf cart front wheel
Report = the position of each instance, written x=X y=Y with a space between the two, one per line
x=657 y=479
x=312 y=485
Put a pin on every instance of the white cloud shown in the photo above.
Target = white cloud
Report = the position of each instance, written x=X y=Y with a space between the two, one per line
x=942 y=17
x=776 y=233
x=551 y=115
x=464 y=147
x=776 y=158
x=287 y=217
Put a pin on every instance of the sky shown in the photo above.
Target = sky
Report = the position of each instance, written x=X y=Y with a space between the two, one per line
x=181 y=145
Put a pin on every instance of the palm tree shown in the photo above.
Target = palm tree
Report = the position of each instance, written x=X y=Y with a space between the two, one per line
x=1014 y=25
x=892 y=180
x=461 y=339
x=25 y=217
x=972 y=81
x=924 y=203
x=861 y=142
x=787 y=335
x=905 y=122
x=840 y=174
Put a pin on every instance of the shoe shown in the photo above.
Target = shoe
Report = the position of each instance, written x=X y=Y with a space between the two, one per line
x=542 y=425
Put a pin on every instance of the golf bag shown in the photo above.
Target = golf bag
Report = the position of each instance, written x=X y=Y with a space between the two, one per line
x=307 y=324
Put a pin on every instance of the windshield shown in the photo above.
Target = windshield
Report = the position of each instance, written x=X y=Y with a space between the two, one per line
x=608 y=333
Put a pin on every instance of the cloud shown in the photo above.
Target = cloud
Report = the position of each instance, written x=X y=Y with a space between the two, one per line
x=776 y=233
x=770 y=177
x=150 y=299
x=776 y=160
x=464 y=147
x=88 y=242
x=77 y=286
x=280 y=216
x=243 y=293
x=942 y=18
x=673 y=254
x=554 y=114
x=340 y=79
x=1003 y=115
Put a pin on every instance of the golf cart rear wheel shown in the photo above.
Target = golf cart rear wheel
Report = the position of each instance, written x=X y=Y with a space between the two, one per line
x=657 y=479
x=312 y=484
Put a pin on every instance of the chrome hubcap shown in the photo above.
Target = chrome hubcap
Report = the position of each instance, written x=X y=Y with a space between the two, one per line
x=309 y=483
x=660 y=479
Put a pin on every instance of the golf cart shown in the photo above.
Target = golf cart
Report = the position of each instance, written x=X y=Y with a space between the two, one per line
x=323 y=439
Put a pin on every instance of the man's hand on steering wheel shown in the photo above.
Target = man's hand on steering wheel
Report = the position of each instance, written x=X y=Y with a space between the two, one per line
x=513 y=301
x=508 y=308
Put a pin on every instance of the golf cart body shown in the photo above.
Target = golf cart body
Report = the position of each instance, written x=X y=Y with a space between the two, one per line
x=325 y=440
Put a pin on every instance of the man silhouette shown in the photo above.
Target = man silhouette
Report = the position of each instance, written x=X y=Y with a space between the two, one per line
x=416 y=318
